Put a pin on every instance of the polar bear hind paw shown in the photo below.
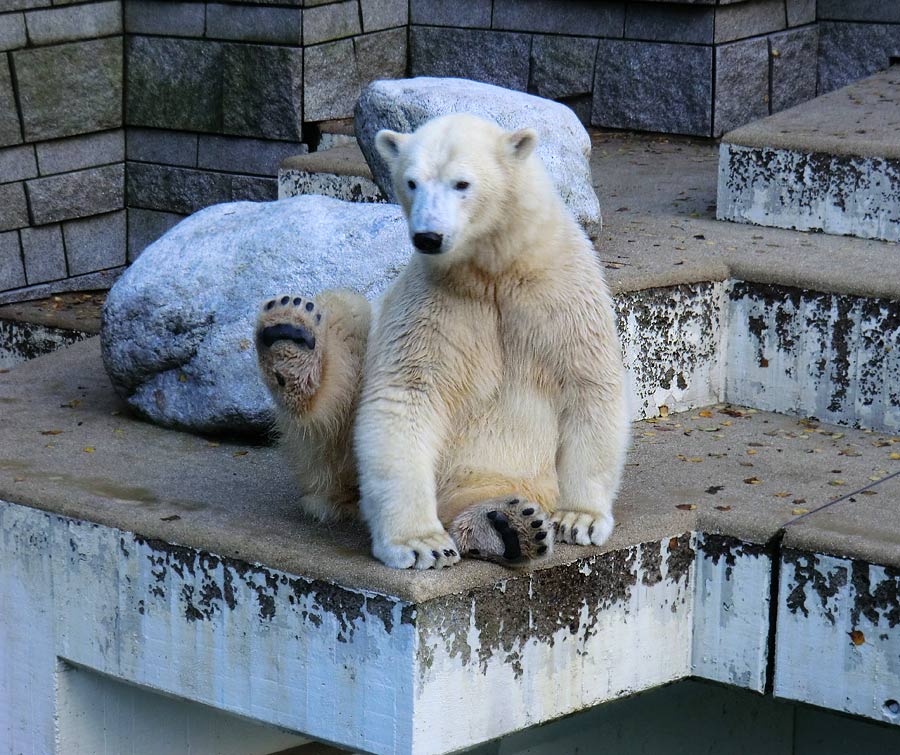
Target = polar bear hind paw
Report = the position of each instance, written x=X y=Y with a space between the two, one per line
x=508 y=530
x=580 y=528
x=288 y=342
x=435 y=551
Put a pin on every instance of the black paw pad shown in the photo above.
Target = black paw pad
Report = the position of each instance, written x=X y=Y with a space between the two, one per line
x=527 y=512
x=435 y=555
x=512 y=501
x=537 y=523
x=297 y=301
x=285 y=332
x=540 y=535
x=270 y=304
x=511 y=548
x=542 y=550
x=285 y=299
x=309 y=306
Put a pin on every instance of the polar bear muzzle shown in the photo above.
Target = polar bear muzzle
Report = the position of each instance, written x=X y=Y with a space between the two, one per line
x=429 y=243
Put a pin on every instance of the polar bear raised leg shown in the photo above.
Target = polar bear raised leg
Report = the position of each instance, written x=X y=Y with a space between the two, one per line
x=310 y=356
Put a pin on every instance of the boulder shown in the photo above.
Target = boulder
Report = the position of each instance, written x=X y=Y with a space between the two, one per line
x=177 y=331
x=564 y=146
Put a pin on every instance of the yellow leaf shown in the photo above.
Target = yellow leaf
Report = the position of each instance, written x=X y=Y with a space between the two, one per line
x=782 y=494
x=89 y=449
x=857 y=637
x=799 y=512
x=894 y=455
x=837 y=483
x=705 y=413
x=18 y=479
x=51 y=432
x=751 y=451
x=695 y=459
x=686 y=506
x=213 y=444
x=753 y=481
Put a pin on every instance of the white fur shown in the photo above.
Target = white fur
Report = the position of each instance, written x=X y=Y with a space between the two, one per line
x=493 y=367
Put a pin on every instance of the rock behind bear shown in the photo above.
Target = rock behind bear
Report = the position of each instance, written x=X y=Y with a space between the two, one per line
x=178 y=325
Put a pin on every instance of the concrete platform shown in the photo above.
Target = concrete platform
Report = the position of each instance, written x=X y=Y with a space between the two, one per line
x=831 y=164
x=180 y=564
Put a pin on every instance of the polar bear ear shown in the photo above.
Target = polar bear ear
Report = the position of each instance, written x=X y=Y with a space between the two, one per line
x=521 y=143
x=388 y=144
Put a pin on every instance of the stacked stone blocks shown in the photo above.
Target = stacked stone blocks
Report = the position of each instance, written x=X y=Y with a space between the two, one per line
x=697 y=68
x=62 y=148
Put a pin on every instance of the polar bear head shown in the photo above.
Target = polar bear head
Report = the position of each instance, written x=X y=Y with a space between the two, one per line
x=457 y=178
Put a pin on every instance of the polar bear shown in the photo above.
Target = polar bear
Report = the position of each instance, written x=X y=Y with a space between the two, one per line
x=483 y=396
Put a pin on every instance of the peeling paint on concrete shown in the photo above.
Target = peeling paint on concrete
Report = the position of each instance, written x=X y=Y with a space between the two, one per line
x=21 y=341
x=831 y=356
x=731 y=613
x=293 y=183
x=837 y=644
x=839 y=194
x=671 y=340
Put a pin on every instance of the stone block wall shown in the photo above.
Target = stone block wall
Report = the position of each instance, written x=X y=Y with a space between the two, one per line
x=62 y=147
x=858 y=38
x=217 y=94
x=698 y=68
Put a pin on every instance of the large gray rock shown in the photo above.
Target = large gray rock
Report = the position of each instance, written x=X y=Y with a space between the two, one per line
x=178 y=325
x=564 y=146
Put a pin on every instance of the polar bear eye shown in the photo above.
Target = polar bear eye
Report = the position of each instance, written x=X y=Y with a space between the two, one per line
x=411 y=184
x=461 y=185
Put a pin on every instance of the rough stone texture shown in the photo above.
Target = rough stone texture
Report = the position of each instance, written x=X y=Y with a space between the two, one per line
x=742 y=84
x=45 y=257
x=77 y=22
x=174 y=83
x=11 y=273
x=12 y=31
x=295 y=183
x=471 y=14
x=263 y=91
x=384 y=14
x=332 y=21
x=563 y=144
x=848 y=52
x=254 y=23
x=253 y=156
x=562 y=66
x=859 y=10
x=13 y=207
x=653 y=87
x=10 y=131
x=96 y=243
x=494 y=57
x=801 y=12
x=748 y=19
x=183 y=191
x=80 y=152
x=17 y=163
x=145 y=227
x=572 y=17
x=669 y=23
x=178 y=326
x=164 y=17
x=845 y=195
x=793 y=67
x=336 y=72
x=70 y=89
x=77 y=195
x=165 y=147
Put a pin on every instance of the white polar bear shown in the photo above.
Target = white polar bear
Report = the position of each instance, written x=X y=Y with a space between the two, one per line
x=486 y=406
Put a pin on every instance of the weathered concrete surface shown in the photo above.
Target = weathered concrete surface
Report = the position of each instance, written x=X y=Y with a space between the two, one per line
x=20 y=342
x=831 y=164
x=340 y=172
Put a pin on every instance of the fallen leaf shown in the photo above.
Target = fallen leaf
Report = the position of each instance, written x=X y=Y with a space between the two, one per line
x=746 y=463
x=751 y=451
x=18 y=479
x=172 y=518
x=182 y=378
x=733 y=412
x=4 y=371
x=686 y=506
x=857 y=637
x=799 y=500
x=705 y=413
x=89 y=449
x=799 y=512
x=240 y=453
x=782 y=494
x=51 y=432
x=836 y=483
x=869 y=492
x=894 y=455
x=70 y=404
x=723 y=508
x=752 y=480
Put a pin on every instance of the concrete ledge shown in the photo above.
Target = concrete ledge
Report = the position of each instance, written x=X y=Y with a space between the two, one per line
x=340 y=172
x=831 y=164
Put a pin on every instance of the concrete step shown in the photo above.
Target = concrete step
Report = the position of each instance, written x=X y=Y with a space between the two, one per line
x=831 y=164
x=340 y=172
x=179 y=564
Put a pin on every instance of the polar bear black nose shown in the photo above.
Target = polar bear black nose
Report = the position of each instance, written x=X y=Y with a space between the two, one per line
x=429 y=242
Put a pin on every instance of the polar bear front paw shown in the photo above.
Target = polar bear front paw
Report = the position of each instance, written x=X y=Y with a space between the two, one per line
x=435 y=551
x=510 y=530
x=579 y=528
x=289 y=346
